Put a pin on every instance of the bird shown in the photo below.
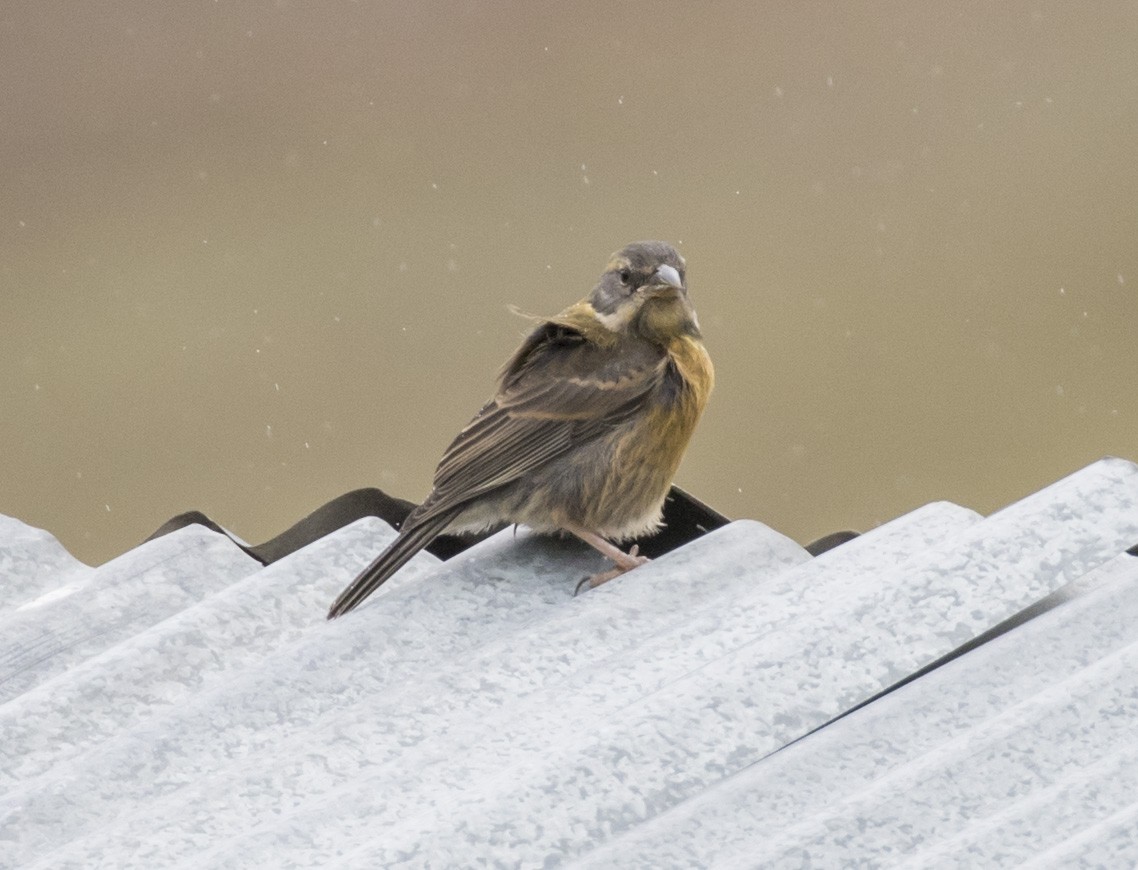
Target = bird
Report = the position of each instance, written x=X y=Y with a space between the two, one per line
x=592 y=415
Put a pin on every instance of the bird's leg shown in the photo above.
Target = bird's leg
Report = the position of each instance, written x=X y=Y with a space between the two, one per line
x=592 y=582
x=624 y=561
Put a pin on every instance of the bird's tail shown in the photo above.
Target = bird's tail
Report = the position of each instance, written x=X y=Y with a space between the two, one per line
x=398 y=554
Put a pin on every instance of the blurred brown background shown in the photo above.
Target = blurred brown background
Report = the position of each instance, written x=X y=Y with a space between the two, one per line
x=253 y=255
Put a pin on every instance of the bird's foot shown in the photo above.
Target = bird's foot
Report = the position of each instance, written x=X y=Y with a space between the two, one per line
x=631 y=559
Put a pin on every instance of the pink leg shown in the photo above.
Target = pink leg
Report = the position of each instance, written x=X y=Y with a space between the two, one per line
x=624 y=561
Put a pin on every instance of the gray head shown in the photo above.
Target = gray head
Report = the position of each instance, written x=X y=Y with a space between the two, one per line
x=636 y=266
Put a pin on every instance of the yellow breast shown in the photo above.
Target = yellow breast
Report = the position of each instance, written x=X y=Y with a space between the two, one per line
x=648 y=457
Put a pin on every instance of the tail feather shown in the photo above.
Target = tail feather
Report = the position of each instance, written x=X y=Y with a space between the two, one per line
x=398 y=554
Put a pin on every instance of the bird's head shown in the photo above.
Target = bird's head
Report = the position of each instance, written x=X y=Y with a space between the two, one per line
x=643 y=293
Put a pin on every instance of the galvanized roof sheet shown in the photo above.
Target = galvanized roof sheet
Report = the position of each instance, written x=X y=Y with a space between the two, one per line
x=185 y=705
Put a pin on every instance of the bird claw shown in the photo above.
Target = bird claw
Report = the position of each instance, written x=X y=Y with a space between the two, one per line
x=635 y=560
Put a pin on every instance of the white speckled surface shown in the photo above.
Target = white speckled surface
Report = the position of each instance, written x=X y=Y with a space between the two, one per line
x=32 y=564
x=1008 y=752
x=183 y=706
x=45 y=636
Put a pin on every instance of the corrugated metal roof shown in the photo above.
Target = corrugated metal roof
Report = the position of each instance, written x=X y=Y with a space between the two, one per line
x=184 y=705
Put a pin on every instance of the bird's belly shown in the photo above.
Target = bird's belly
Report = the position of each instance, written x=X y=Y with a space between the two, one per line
x=631 y=500
x=614 y=486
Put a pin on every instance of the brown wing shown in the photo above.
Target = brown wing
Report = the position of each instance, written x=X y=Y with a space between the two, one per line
x=560 y=390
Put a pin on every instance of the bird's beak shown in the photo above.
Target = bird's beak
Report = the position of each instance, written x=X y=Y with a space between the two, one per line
x=668 y=275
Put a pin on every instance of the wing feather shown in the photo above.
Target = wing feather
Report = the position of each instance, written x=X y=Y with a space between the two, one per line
x=559 y=391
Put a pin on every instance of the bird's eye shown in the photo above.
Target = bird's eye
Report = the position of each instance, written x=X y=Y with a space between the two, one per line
x=625 y=277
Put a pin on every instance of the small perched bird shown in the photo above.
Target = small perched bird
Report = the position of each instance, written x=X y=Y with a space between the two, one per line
x=591 y=418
